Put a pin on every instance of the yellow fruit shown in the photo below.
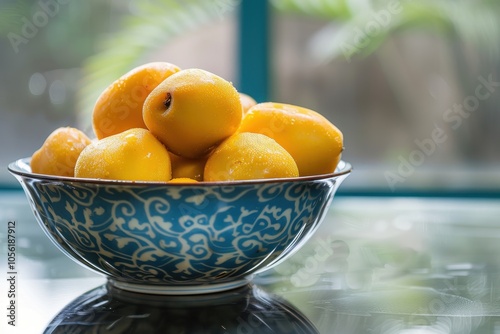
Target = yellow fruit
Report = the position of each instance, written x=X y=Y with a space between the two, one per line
x=119 y=107
x=132 y=155
x=182 y=180
x=248 y=156
x=313 y=141
x=246 y=102
x=59 y=152
x=187 y=168
x=192 y=111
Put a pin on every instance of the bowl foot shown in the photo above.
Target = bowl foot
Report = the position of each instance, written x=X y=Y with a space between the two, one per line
x=179 y=290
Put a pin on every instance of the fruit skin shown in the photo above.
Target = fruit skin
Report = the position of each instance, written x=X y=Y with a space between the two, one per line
x=313 y=141
x=182 y=180
x=187 y=168
x=59 y=152
x=119 y=107
x=246 y=102
x=192 y=111
x=132 y=155
x=249 y=156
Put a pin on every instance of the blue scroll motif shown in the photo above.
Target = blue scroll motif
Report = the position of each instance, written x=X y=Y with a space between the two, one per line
x=179 y=234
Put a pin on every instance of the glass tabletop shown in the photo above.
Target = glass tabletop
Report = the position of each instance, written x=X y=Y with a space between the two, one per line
x=375 y=265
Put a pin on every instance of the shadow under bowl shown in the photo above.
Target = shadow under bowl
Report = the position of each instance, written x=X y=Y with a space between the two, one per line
x=243 y=310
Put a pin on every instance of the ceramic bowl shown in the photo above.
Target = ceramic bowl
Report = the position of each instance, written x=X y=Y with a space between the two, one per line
x=174 y=238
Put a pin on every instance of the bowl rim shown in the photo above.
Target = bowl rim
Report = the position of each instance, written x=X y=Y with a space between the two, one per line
x=21 y=167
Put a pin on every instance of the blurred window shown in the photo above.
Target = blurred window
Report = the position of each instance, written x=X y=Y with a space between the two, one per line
x=414 y=86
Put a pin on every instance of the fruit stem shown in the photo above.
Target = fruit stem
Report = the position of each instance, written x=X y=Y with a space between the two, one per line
x=168 y=100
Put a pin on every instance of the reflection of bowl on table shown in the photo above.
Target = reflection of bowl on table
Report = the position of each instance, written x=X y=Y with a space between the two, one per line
x=243 y=310
x=172 y=238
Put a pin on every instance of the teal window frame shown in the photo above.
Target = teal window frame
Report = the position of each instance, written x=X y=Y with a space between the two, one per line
x=253 y=49
x=254 y=78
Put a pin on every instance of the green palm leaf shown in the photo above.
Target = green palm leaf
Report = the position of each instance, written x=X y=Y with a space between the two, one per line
x=336 y=9
x=154 y=24
x=357 y=29
x=11 y=17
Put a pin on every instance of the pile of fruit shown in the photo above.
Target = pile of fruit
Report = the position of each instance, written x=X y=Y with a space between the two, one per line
x=160 y=123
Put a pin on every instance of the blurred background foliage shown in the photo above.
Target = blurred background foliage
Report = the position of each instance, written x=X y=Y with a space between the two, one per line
x=151 y=24
x=383 y=71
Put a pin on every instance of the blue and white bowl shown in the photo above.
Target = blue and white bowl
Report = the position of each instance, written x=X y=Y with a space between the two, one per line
x=174 y=238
